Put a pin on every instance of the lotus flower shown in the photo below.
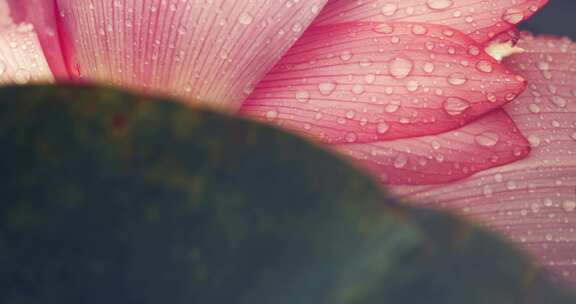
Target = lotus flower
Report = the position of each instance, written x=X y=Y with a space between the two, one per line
x=433 y=97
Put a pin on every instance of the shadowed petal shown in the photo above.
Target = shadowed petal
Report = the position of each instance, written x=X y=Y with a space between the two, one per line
x=365 y=82
x=531 y=201
x=489 y=142
x=213 y=52
x=21 y=58
x=481 y=19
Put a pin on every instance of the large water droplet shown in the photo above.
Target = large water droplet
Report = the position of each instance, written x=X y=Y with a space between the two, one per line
x=384 y=28
x=455 y=106
x=513 y=16
x=439 y=4
x=457 y=79
x=21 y=76
x=383 y=127
x=302 y=96
x=419 y=29
x=389 y=9
x=245 y=18
x=487 y=139
x=559 y=101
x=326 y=88
x=400 y=161
x=401 y=67
x=569 y=206
x=271 y=115
x=484 y=66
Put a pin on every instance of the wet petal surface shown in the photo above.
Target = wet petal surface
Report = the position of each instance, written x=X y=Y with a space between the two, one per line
x=491 y=141
x=481 y=19
x=22 y=60
x=366 y=82
x=208 y=51
x=532 y=201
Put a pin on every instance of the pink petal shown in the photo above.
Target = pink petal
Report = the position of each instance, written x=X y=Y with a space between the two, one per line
x=365 y=82
x=531 y=201
x=481 y=19
x=210 y=52
x=491 y=141
x=21 y=57
x=41 y=14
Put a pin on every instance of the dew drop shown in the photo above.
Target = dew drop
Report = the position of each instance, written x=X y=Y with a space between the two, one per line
x=400 y=161
x=419 y=29
x=351 y=137
x=439 y=4
x=271 y=115
x=484 y=66
x=428 y=67
x=389 y=9
x=513 y=16
x=21 y=76
x=345 y=56
x=534 y=108
x=326 y=88
x=559 y=101
x=569 y=206
x=401 y=67
x=487 y=139
x=382 y=128
x=358 y=89
x=412 y=85
x=245 y=19
x=457 y=79
x=456 y=106
x=384 y=28
x=302 y=96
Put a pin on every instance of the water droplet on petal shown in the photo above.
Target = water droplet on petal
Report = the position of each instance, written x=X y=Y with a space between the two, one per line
x=457 y=79
x=419 y=29
x=455 y=106
x=245 y=18
x=484 y=66
x=559 y=101
x=21 y=76
x=326 y=88
x=389 y=9
x=487 y=139
x=439 y=4
x=400 y=161
x=271 y=115
x=513 y=16
x=428 y=67
x=569 y=206
x=351 y=137
x=383 y=128
x=345 y=56
x=302 y=96
x=401 y=67
x=384 y=28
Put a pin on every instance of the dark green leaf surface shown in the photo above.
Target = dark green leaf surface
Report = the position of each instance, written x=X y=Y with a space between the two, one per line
x=111 y=198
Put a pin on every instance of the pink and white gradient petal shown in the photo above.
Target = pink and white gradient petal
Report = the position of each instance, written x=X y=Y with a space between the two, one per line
x=21 y=57
x=42 y=15
x=367 y=82
x=209 y=52
x=480 y=19
x=488 y=142
x=532 y=201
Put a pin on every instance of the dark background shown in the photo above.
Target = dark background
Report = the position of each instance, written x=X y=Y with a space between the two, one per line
x=558 y=18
